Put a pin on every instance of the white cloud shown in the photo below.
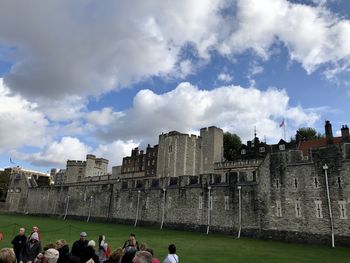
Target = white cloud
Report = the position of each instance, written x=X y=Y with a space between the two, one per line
x=115 y=151
x=86 y=48
x=57 y=153
x=103 y=117
x=21 y=123
x=313 y=35
x=187 y=108
x=225 y=77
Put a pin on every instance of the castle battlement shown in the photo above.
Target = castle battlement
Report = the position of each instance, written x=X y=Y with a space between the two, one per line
x=75 y=163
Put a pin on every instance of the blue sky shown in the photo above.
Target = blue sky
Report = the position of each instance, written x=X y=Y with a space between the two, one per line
x=91 y=77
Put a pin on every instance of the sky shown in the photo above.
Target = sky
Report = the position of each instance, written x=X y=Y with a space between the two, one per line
x=103 y=77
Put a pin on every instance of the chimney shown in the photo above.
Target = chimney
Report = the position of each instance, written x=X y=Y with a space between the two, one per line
x=329 y=133
x=249 y=145
x=345 y=132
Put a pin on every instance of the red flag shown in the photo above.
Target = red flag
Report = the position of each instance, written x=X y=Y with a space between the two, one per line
x=282 y=123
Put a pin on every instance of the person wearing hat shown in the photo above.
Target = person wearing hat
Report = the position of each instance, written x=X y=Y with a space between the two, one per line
x=79 y=247
x=31 y=249
x=91 y=253
x=51 y=256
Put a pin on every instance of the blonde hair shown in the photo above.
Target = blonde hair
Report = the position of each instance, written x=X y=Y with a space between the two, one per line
x=60 y=243
x=117 y=255
x=7 y=255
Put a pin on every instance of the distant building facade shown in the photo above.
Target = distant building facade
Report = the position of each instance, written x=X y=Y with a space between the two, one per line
x=77 y=170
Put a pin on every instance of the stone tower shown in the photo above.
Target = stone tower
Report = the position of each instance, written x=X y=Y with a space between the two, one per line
x=212 y=148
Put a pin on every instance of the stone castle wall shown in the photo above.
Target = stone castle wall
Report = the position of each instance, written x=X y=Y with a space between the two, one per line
x=282 y=198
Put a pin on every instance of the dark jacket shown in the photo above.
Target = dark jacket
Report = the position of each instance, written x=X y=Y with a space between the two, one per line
x=79 y=249
x=30 y=251
x=91 y=254
x=18 y=243
x=64 y=254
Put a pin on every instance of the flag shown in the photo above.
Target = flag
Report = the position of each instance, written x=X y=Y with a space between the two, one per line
x=282 y=123
x=12 y=161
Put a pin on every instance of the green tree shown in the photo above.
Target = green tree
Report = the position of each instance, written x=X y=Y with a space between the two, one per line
x=308 y=133
x=4 y=184
x=232 y=144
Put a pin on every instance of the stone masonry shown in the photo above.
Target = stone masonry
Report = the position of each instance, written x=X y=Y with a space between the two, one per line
x=283 y=193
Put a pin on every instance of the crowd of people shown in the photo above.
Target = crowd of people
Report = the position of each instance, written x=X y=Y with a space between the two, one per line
x=29 y=250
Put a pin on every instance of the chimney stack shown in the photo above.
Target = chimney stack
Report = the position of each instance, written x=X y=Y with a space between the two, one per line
x=345 y=132
x=329 y=132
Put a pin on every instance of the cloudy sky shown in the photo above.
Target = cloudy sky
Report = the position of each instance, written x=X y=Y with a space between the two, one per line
x=102 y=77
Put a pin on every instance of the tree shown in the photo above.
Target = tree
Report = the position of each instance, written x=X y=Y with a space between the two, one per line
x=307 y=133
x=232 y=145
x=4 y=184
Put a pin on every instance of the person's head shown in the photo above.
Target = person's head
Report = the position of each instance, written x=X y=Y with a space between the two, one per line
x=60 y=243
x=143 y=246
x=48 y=246
x=35 y=229
x=132 y=239
x=21 y=231
x=83 y=236
x=100 y=238
x=172 y=249
x=116 y=255
x=92 y=244
x=142 y=257
x=7 y=255
x=51 y=256
x=34 y=237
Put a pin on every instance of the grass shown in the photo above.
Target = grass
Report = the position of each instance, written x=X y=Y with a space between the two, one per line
x=191 y=247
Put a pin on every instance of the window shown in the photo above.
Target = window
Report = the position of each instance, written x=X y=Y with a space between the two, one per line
x=318 y=206
x=316 y=183
x=297 y=208
x=278 y=209
x=277 y=183
x=149 y=163
x=262 y=149
x=200 y=205
x=282 y=147
x=295 y=183
x=243 y=151
x=227 y=204
x=152 y=162
x=170 y=148
x=342 y=209
x=339 y=182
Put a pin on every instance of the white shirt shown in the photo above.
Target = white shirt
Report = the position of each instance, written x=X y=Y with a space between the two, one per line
x=171 y=258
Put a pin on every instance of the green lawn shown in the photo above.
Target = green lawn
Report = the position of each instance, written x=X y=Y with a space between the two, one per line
x=192 y=247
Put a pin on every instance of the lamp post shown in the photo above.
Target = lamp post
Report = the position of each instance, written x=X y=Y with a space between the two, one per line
x=239 y=211
x=209 y=204
x=163 y=211
x=325 y=168
x=137 y=207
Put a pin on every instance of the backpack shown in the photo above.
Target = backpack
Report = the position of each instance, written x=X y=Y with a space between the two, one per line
x=107 y=251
